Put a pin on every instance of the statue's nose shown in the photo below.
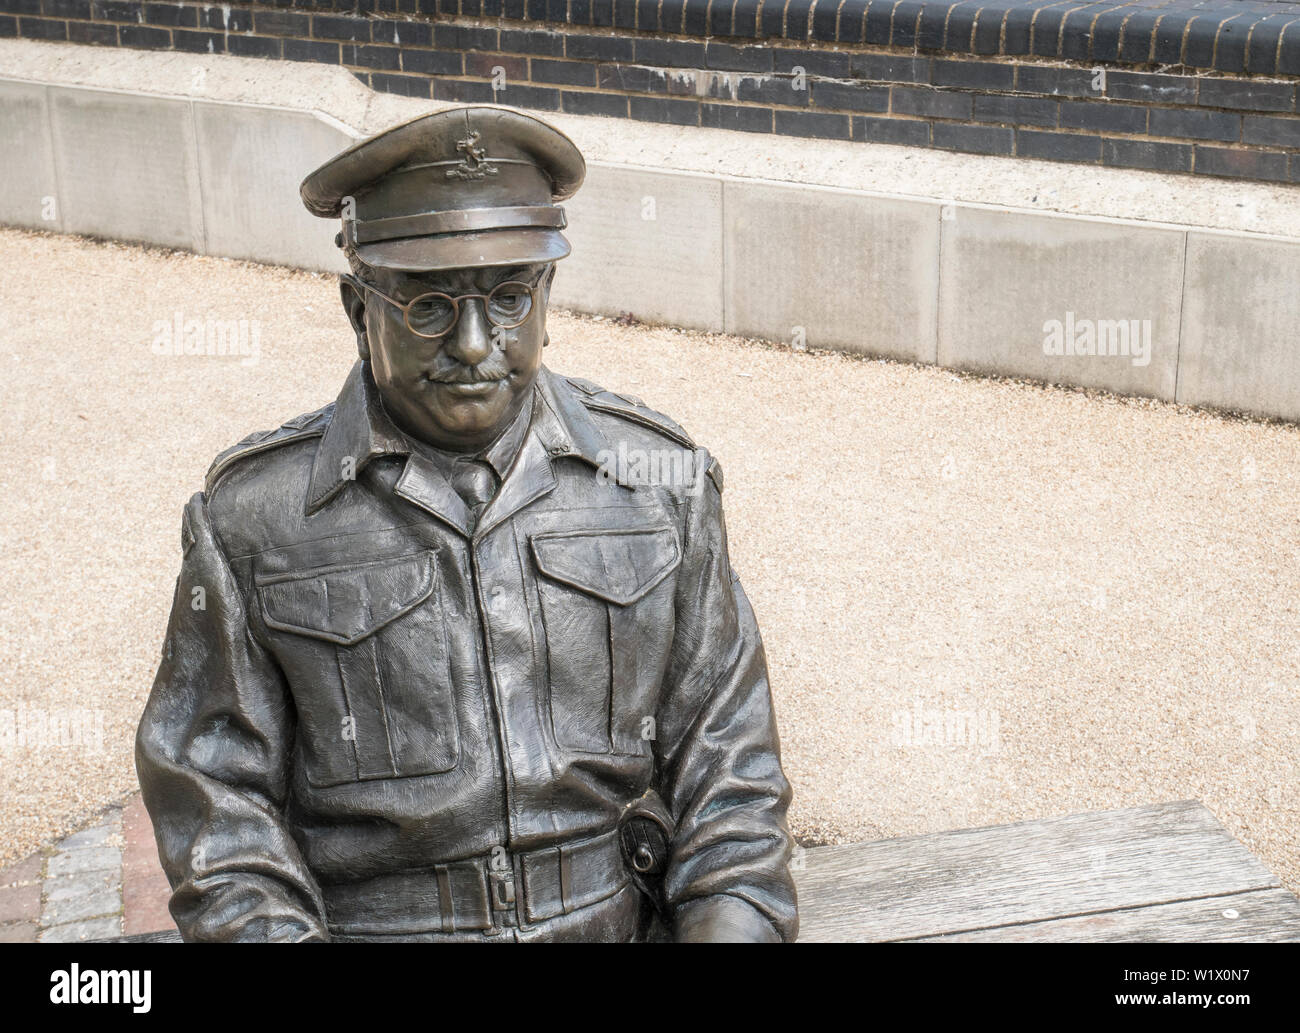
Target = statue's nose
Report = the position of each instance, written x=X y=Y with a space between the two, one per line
x=471 y=340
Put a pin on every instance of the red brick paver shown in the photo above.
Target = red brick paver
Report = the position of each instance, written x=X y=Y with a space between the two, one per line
x=18 y=932
x=20 y=903
x=144 y=886
x=25 y=871
x=20 y=900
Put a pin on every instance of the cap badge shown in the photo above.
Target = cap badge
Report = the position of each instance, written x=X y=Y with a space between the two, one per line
x=476 y=164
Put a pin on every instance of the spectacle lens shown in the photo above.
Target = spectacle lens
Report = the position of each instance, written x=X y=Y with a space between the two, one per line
x=431 y=315
x=509 y=304
x=435 y=314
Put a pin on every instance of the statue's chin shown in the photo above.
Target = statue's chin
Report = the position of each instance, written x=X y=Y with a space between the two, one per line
x=469 y=413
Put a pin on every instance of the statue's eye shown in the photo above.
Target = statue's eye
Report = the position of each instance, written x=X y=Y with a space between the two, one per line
x=432 y=314
x=509 y=303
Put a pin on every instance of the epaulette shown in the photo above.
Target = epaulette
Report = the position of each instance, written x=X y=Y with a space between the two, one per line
x=308 y=425
x=715 y=473
x=595 y=397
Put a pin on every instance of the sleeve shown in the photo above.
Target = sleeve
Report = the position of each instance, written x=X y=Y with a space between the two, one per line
x=212 y=753
x=728 y=874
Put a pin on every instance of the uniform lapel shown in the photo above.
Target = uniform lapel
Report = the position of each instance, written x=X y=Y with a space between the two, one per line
x=358 y=432
x=424 y=485
x=560 y=427
x=528 y=479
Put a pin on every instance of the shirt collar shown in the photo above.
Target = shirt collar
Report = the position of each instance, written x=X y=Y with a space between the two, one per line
x=360 y=430
x=564 y=424
x=500 y=455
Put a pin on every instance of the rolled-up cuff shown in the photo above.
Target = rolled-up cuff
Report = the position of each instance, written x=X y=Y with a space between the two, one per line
x=722 y=919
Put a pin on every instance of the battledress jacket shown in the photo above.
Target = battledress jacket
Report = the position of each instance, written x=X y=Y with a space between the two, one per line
x=374 y=721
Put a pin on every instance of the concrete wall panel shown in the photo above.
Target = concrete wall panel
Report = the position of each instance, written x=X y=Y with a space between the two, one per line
x=28 y=187
x=648 y=243
x=856 y=272
x=251 y=160
x=1241 y=324
x=1013 y=286
x=126 y=167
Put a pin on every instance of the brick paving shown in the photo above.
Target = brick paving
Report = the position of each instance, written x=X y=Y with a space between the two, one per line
x=144 y=886
x=100 y=882
x=20 y=900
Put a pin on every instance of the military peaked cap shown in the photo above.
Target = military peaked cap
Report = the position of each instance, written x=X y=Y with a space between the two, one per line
x=461 y=188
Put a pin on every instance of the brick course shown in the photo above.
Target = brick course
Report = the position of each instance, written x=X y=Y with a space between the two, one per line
x=1093 y=83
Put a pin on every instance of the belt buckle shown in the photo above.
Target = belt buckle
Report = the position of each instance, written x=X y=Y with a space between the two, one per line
x=503 y=890
x=501 y=887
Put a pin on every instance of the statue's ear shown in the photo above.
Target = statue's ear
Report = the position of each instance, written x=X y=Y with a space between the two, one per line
x=354 y=304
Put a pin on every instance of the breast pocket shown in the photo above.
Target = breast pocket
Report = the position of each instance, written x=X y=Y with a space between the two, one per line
x=365 y=650
x=606 y=600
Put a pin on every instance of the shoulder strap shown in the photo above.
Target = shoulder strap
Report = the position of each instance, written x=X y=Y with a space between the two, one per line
x=630 y=408
x=308 y=425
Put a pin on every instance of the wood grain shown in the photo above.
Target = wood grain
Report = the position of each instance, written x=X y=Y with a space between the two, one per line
x=976 y=880
x=1260 y=916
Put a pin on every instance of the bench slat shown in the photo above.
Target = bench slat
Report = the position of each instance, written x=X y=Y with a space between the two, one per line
x=1262 y=916
x=1034 y=871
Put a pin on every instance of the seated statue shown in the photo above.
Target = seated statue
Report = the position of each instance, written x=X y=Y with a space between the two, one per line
x=461 y=656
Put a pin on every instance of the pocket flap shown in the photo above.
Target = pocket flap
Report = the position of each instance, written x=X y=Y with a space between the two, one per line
x=617 y=566
x=345 y=604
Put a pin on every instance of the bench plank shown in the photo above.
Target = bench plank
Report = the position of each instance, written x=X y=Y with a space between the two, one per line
x=1260 y=916
x=971 y=880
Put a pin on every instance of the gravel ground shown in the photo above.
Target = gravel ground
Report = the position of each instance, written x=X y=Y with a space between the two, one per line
x=983 y=601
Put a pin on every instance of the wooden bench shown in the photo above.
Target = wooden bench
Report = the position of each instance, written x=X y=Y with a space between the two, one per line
x=1164 y=873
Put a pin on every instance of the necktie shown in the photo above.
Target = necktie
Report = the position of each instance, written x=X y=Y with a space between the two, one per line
x=475 y=482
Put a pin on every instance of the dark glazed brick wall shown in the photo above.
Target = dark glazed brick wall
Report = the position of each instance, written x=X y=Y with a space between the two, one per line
x=1233 y=36
x=1195 y=86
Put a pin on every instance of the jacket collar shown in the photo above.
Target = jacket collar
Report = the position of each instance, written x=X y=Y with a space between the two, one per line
x=360 y=430
x=565 y=423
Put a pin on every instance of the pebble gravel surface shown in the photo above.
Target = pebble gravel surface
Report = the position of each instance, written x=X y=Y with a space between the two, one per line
x=983 y=601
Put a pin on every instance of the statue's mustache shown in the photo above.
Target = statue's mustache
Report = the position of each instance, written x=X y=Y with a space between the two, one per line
x=459 y=373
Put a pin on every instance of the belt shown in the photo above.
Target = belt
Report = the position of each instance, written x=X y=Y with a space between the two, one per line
x=478 y=893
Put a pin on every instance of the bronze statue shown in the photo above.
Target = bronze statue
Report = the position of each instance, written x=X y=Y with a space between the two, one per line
x=445 y=662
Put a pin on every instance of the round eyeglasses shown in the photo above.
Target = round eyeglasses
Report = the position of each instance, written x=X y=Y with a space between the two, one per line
x=434 y=314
